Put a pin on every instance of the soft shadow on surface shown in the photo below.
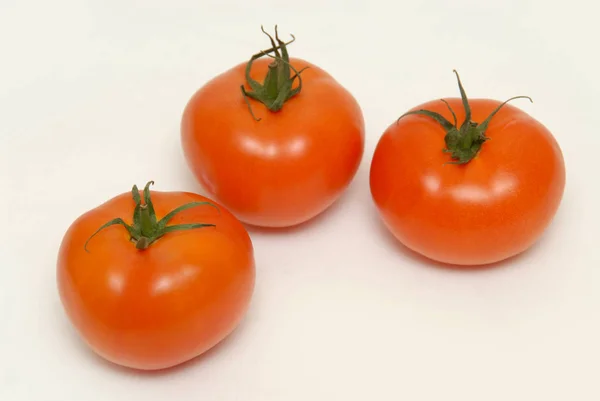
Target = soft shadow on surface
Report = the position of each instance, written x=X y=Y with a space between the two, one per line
x=417 y=258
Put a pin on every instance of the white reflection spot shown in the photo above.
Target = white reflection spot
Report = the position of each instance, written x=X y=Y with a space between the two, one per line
x=167 y=282
x=432 y=183
x=116 y=282
x=271 y=149
x=296 y=146
x=501 y=186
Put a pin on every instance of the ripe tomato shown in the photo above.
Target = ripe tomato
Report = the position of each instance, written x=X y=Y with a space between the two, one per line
x=275 y=155
x=149 y=295
x=471 y=194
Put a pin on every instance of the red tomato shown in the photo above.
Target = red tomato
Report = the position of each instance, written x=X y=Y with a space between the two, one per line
x=149 y=295
x=275 y=155
x=471 y=194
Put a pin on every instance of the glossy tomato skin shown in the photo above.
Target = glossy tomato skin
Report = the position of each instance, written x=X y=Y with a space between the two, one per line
x=494 y=207
x=285 y=169
x=156 y=308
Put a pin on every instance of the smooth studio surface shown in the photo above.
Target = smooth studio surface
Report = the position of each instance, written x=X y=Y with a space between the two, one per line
x=91 y=99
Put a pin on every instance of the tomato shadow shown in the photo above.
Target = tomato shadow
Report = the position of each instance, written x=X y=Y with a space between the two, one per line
x=407 y=253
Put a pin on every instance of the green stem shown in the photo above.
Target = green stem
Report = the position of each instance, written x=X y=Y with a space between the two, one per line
x=272 y=81
x=146 y=226
x=146 y=229
x=462 y=143
x=142 y=243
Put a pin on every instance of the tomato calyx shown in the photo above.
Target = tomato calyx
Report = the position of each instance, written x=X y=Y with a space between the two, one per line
x=146 y=228
x=277 y=87
x=464 y=142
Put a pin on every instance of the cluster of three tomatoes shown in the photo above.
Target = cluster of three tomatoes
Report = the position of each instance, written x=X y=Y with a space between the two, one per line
x=152 y=279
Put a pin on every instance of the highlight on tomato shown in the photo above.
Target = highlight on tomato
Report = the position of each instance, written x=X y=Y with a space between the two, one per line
x=152 y=280
x=276 y=140
x=472 y=193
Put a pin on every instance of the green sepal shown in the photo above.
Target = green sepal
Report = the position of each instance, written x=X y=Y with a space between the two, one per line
x=146 y=229
x=464 y=143
x=277 y=86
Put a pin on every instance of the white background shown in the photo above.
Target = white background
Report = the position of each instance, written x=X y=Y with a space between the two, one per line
x=91 y=94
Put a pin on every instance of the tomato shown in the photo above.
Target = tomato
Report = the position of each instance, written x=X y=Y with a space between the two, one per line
x=472 y=194
x=159 y=288
x=276 y=154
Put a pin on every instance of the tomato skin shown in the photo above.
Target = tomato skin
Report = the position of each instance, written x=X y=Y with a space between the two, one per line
x=285 y=169
x=159 y=307
x=494 y=207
